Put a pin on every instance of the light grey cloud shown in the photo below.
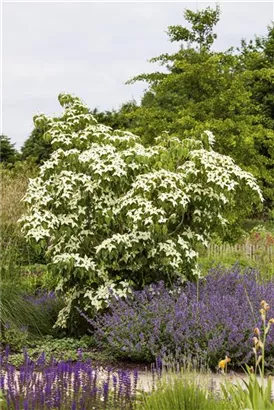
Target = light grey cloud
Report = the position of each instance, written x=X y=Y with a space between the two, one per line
x=92 y=49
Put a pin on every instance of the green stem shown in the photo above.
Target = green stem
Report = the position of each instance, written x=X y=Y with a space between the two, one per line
x=263 y=351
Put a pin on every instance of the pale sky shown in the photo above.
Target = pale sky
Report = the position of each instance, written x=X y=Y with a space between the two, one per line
x=91 y=49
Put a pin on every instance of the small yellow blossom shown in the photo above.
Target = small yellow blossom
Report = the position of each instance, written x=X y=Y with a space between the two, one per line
x=255 y=340
x=257 y=331
x=271 y=321
x=223 y=363
x=263 y=314
x=258 y=344
x=265 y=305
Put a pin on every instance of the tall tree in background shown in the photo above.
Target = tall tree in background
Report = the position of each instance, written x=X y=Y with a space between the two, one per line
x=117 y=119
x=230 y=93
x=36 y=147
x=202 y=23
x=8 y=153
x=257 y=58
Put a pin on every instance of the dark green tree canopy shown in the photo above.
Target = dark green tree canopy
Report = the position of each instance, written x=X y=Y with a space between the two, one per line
x=36 y=147
x=8 y=152
x=230 y=93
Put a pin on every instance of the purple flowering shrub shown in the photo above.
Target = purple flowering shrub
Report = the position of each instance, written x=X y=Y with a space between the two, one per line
x=211 y=320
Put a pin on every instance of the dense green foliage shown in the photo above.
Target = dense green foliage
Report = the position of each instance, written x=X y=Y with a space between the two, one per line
x=8 y=153
x=230 y=93
x=35 y=147
x=61 y=348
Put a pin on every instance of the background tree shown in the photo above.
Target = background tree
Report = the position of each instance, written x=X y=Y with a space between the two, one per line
x=117 y=119
x=202 y=23
x=8 y=152
x=230 y=93
x=35 y=148
x=257 y=58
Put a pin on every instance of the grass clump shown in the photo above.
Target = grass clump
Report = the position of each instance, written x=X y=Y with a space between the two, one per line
x=25 y=317
x=15 y=251
x=182 y=393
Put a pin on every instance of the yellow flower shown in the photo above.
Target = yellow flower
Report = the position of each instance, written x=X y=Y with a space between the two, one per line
x=257 y=343
x=263 y=313
x=265 y=305
x=271 y=321
x=223 y=363
x=257 y=331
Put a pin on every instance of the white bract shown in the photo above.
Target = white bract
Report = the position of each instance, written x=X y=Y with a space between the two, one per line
x=114 y=213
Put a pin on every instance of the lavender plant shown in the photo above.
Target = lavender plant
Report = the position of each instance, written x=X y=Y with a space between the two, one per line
x=65 y=385
x=215 y=322
x=114 y=213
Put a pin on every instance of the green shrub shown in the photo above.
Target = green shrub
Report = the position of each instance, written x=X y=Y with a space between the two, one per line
x=37 y=277
x=66 y=348
x=113 y=213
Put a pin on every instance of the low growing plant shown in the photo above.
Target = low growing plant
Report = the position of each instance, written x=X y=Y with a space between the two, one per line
x=177 y=392
x=208 y=320
x=62 y=349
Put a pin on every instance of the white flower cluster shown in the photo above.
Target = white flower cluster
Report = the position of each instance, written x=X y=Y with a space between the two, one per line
x=100 y=297
x=106 y=206
x=211 y=138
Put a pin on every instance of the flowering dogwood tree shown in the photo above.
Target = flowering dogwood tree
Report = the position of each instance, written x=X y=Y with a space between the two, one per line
x=113 y=213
